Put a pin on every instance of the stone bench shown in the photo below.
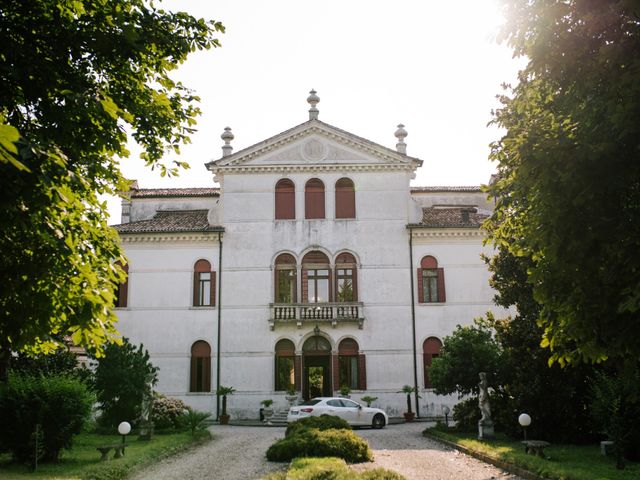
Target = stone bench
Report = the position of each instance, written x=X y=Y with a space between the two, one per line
x=118 y=449
x=535 y=447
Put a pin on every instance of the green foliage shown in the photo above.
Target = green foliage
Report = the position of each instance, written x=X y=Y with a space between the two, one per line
x=266 y=403
x=330 y=469
x=195 y=420
x=368 y=400
x=466 y=415
x=167 y=413
x=223 y=392
x=59 y=362
x=345 y=390
x=467 y=352
x=323 y=422
x=59 y=403
x=321 y=443
x=568 y=185
x=123 y=376
x=408 y=390
x=77 y=77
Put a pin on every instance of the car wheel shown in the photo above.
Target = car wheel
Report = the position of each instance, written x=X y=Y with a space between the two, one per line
x=378 y=421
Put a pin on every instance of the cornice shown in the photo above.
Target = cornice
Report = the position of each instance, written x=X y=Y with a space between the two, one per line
x=446 y=232
x=195 y=237
x=311 y=168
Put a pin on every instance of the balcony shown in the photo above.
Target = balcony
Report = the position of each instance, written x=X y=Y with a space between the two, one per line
x=316 y=313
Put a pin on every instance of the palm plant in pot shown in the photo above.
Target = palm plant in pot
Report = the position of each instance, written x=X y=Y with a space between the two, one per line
x=223 y=392
x=409 y=415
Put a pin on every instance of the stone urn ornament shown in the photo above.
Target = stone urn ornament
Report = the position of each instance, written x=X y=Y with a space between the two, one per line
x=291 y=396
x=485 y=424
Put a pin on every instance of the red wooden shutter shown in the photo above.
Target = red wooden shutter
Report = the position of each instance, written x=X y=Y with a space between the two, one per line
x=207 y=374
x=196 y=289
x=305 y=286
x=297 y=372
x=336 y=372
x=442 y=297
x=314 y=199
x=192 y=384
x=213 y=288
x=285 y=200
x=354 y=285
x=276 y=285
x=345 y=199
x=420 y=287
x=362 y=372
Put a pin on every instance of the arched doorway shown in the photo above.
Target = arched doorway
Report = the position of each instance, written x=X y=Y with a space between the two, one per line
x=316 y=361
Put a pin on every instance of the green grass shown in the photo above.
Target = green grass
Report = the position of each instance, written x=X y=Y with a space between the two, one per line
x=329 y=468
x=567 y=462
x=82 y=462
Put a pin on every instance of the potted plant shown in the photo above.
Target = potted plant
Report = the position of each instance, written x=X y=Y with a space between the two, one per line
x=409 y=415
x=345 y=391
x=223 y=392
x=291 y=396
x=368 y=400
x=266 y=409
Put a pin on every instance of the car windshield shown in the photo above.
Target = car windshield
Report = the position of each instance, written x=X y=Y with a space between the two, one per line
x=313 y=401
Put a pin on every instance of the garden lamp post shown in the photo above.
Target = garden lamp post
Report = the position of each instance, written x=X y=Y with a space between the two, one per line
x=524 y=420
x=123 y=429
x=446 y=411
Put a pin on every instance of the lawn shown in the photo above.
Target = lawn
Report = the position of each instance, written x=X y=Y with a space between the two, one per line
x=567 y=462
x=82 y=462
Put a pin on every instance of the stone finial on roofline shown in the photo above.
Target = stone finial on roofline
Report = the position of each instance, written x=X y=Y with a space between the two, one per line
x=227 y=136
x=401 y=134
x=313 y=100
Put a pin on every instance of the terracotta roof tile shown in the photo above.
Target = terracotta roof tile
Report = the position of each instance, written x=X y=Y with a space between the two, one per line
x=173 y=192
x=451 y=218
x=171 y=221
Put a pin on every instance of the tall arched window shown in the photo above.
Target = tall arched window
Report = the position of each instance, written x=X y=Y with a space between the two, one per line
x=204 y=284
x=314 y=199
x=285 y=281
x=345 y=199
x=346 y=278
x=200 y=367
x=430 y=281
x=316 y=278
x=351 y=365
x=285 y=365
x=285 y=200
x=430 y=350
x=122 y=289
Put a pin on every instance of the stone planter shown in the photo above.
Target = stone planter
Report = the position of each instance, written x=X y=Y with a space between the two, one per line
x=409 y=416
x=224 y=419
x=267 y=413
x=291 y=399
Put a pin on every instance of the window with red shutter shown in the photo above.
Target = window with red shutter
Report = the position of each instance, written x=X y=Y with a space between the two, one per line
x=200 y=378
x=285 y=279
x=351 y=365
x=430 y=281
x=346 y=278
x=345 y=199
x=285 y=365
x=285 y=200
x=430 y=350
x=314 y=199
x=316 y=278
x=204 y=284
x=122 y=290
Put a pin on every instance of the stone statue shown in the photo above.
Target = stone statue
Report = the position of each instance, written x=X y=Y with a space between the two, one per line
x=485 y=424
x=146 y=425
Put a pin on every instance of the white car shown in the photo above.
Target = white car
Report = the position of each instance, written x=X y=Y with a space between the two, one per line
x=354 y=413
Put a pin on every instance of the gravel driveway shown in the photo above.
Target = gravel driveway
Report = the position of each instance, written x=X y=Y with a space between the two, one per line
x=238 y=453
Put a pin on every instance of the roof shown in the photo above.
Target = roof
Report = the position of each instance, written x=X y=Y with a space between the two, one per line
x=446 y=189
x=169 y=221
x=460 y=217
x=173 y=192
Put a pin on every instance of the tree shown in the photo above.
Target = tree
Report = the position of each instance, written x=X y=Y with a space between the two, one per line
x=568 y=186
x=123 y=377
x=467 y=352
x=78 y=79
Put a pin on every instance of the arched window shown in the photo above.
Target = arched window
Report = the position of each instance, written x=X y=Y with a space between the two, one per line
x=285 y=281
x=316 y=278
x=204 y=284
x=430 y=281
x=122 y=289
x=200 y=367
x=285 y=200
x=351 y=365
x=346 y=278
x=430 y=350
x=345 y=199
x=314 y=199
x=285 y=365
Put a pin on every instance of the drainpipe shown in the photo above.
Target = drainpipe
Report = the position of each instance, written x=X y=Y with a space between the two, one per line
x=413 y=324
x=219 y=324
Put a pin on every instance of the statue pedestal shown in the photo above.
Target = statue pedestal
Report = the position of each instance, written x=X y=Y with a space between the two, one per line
x=485 y=432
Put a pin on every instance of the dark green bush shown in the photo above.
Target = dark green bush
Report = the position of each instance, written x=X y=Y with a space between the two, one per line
x=466 y=415
x=321 y=443
x=59 y=403
x=167 y=412
x=323 y=422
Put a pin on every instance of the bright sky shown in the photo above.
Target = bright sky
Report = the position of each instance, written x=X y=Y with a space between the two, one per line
x=432 y=65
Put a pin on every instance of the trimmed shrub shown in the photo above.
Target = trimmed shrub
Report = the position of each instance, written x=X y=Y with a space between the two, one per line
x=59 y=403
x=466 y=415
x=330 y=468
x=321 y=443
x=323 y=422
x=167 y=412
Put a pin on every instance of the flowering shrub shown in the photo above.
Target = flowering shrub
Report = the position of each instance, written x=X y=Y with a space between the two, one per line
x=167 y=412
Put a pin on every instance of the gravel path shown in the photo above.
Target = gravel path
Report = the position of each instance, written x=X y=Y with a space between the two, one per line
x=238 y=453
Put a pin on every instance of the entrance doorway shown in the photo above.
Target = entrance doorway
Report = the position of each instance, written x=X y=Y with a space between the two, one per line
x=316 y=360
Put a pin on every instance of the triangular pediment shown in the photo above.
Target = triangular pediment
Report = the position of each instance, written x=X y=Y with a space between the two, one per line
x=314 y=143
